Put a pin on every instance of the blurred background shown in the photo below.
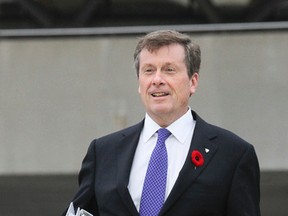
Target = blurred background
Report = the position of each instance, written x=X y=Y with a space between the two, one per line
x=67 y=77
x=92 y=13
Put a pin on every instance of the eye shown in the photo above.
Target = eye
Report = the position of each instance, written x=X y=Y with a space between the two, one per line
x=170 y=69
x=148 y=70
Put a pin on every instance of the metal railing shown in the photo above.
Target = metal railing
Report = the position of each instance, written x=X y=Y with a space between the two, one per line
x=135 y=30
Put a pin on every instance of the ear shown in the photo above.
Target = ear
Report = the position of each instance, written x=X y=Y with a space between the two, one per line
x=194 y=83
x=139 y=91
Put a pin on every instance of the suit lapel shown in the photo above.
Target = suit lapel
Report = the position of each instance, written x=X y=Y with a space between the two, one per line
x=125 y=154
x=201 y=141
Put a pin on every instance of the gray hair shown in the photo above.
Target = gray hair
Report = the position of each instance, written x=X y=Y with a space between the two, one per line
x=157 y=39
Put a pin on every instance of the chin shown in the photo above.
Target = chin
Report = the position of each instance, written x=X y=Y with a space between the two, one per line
x=160 y=111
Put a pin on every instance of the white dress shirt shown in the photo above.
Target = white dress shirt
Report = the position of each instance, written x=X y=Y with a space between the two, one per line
x=177 y=145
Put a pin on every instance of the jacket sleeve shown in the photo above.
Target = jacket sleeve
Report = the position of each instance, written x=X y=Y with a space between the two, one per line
x=244 y=197
x=85 y=196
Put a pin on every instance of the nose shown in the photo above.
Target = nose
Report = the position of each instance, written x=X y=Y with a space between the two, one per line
x=158 y=78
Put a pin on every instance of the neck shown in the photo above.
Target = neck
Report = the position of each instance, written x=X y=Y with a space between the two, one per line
x=164 y=120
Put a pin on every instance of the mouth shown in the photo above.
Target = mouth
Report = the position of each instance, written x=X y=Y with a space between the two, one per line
x=159 y=94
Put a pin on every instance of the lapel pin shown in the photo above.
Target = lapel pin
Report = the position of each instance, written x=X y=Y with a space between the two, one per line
x=207 y=150
x=197 y=158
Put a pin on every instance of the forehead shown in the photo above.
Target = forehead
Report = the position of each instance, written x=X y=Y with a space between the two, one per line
x=172 y=52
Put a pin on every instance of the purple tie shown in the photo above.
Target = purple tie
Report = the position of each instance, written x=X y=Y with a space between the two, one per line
x=153 y=194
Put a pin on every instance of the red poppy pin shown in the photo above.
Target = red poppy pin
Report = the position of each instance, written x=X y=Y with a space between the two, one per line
x=197 y=158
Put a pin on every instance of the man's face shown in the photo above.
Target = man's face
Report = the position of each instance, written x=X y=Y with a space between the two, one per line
x=164 y=85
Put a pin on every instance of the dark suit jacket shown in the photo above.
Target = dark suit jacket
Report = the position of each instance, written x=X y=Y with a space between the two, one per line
x=226 y=185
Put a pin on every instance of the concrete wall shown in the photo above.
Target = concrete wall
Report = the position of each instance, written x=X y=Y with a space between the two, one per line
x=56 y=95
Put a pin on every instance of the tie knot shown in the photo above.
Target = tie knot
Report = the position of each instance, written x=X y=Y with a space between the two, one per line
x=163 y=134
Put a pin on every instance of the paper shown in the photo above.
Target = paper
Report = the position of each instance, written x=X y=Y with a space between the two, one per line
x=80 y=212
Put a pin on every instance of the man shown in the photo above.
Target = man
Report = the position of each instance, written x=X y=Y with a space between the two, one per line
x=209 y=170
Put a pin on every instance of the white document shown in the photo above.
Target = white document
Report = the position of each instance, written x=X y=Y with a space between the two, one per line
x=80 y=212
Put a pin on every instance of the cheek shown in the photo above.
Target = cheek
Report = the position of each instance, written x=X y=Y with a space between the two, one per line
x=185 y=88
x=143 y=85
x=140 y=85
x=142 y=89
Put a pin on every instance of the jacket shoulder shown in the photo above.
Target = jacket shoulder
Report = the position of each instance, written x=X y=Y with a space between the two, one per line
x=219 y=135
x=118 y=135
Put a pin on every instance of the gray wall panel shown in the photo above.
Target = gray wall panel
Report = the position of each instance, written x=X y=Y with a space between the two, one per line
x=56 y=95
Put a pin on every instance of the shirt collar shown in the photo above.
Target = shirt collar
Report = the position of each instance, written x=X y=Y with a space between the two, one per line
x=176 y=128
x=150 y=128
